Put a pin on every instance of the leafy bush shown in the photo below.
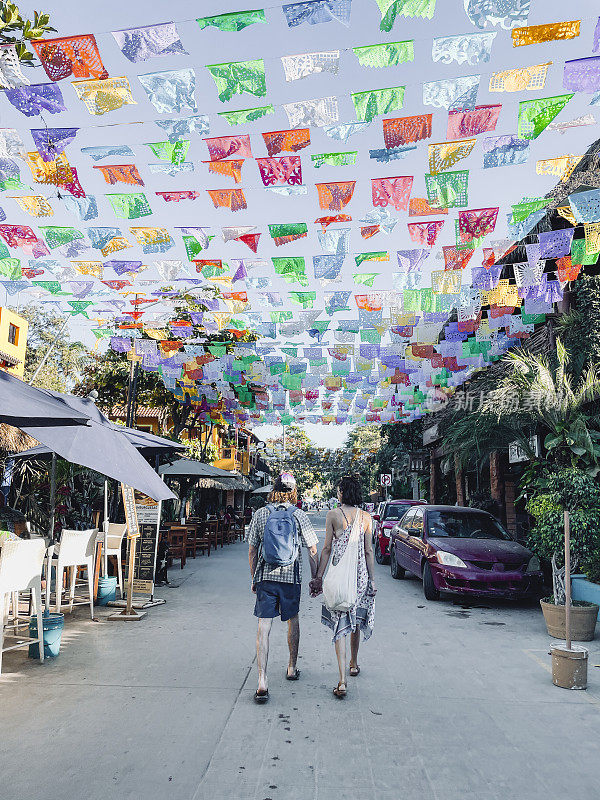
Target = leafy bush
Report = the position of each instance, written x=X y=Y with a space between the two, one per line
x=576 y=491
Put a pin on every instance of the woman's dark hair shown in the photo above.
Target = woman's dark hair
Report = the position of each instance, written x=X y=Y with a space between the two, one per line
x=350 y=490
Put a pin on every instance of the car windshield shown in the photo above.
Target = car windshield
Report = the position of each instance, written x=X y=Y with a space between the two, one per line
x=464 y=526
x=395 y=512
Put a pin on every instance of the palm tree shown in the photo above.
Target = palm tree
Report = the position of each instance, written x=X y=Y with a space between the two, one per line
x=545 y=393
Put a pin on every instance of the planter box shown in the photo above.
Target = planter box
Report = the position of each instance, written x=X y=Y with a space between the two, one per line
x=583 y=621
x=582 y=589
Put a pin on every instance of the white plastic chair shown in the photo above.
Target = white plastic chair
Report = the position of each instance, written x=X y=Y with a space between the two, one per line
x=112 y=547
x=21 y=571
x=76 y=549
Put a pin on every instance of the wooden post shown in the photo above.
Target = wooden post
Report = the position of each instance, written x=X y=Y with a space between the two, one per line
x=567 y=581
x=130 y=571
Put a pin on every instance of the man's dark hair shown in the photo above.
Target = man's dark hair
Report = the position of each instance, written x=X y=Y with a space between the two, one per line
x=350 y=490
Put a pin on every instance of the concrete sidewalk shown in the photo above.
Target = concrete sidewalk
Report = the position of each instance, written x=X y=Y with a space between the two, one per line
x=452 y=702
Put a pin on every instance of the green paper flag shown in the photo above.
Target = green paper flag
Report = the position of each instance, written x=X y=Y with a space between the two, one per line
x=246 y=114
x=79 y=307
x=579 y=255
x=11 y=268
x=193 y=246
x=334 y=159
x=373 y=102
x=305 y=299
x=390 y=54
x=175 y=152
x=448 y=189
x=527 y=206
x=12 y=183
x=292 y=269
x=53 y=287
x=288 y=229
x=370 y=335
x=390 y=9
x=56 y=236
x=366 y=278
x=281 y=316
x=380 y=255
x=130 y=206
x=236 y=21
x=218 y=351
x=237 y=77
x=536 y=115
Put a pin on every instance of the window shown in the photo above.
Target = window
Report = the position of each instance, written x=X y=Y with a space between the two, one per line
x=394 y=512
x=407 y=519
x=453 y=524
x=13 y=334
x=417 y=523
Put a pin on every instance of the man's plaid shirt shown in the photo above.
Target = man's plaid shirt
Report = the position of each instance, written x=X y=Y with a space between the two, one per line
x=306 y=536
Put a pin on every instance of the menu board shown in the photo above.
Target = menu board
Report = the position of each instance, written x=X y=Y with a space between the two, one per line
x=147 y=516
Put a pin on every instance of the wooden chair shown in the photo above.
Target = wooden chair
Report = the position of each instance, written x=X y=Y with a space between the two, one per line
x=221 y=529
x=177 y=544
x=203 y=538
x=190 y=547
x=212 y=531
x=238 y=531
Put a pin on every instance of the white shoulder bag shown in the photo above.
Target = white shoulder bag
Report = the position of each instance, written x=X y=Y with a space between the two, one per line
x=340 y=585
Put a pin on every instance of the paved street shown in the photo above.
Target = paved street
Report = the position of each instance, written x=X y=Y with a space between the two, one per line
x=452 y=702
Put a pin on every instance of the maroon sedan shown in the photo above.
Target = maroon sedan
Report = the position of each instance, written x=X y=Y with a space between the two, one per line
x=390 y=513
x=462 y=550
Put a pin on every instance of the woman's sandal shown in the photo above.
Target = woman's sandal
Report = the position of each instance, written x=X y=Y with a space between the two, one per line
x=354 y=671
x=339 y=692
x=261 y=696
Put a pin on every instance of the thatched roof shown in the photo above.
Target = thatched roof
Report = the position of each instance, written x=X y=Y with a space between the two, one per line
x=13 y=440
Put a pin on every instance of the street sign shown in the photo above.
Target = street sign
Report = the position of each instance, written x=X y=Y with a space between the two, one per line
x=386 y=479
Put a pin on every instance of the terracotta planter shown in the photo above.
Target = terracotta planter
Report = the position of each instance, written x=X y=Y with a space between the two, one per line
x=583 y=621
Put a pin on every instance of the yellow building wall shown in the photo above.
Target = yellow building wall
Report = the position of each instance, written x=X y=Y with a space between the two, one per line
x=18 y=350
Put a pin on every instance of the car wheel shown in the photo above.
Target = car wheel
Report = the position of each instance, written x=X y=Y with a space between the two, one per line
x=379 y=557
x=395 y=568
x=429 y=588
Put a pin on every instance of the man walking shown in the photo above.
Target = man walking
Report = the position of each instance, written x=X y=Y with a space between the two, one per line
x=275 y=557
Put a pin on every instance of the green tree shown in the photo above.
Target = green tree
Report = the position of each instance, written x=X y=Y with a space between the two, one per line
x=302 y=458
x=18 y=30
x=398 y=441
x=67 y=360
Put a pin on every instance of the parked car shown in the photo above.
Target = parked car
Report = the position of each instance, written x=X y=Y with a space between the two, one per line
x=462 y=550
x=388 y=514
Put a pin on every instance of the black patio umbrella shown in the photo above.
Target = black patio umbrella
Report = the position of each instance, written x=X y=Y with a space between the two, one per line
x=144 y=442
x=100 y=446
x=22 y=404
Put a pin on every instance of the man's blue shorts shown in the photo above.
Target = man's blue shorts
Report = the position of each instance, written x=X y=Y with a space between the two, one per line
x=274 y=598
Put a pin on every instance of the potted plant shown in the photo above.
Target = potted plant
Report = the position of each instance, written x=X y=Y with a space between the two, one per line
x=576 y=492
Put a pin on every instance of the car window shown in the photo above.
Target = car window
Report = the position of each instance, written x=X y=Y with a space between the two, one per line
x=454 y=525
x=394 y=512
x=406 y=521
x=417 y=522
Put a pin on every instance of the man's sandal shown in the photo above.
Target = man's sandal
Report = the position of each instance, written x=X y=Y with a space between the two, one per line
x=338 y=691
x=354 y=671
x=261 y=696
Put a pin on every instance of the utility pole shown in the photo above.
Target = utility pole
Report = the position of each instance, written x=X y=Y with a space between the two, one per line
x=132 y=393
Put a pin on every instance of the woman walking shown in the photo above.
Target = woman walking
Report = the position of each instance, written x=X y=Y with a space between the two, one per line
x=361 y=616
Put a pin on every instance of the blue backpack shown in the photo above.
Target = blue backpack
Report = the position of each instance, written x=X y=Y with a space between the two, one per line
x=280 y=538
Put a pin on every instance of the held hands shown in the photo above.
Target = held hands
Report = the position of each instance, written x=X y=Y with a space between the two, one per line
x=315 y=587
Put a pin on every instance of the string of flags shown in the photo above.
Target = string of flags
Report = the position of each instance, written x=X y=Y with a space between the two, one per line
x=351 y=315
